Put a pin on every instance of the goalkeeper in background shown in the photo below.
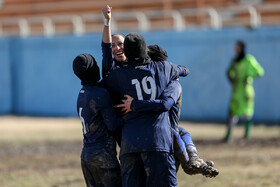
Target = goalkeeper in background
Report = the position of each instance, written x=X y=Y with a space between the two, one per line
x=243 y=70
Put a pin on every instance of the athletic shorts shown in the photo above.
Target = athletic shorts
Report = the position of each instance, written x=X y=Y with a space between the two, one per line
x=148 y=169
x=101 y=167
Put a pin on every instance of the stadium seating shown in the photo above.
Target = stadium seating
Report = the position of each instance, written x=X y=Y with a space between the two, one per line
x=50 y=17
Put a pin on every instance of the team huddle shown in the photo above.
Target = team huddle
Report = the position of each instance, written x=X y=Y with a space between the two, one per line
x=137 y=106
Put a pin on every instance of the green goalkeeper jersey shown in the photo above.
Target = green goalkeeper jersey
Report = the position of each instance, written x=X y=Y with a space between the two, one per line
x=241 y=75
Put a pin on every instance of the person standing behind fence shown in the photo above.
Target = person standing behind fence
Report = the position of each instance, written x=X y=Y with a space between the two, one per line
x=243 y=70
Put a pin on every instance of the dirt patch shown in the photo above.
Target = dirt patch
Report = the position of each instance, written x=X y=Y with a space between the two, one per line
x=50 y=148
x=259 y=142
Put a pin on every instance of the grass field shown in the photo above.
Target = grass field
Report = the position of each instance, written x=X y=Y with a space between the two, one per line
x=45 y=152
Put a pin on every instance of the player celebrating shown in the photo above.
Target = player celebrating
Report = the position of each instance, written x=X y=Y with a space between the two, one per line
x=170 y=100
x=146 y=148
x=94 y=106
x=111 y=46
x=157 y=54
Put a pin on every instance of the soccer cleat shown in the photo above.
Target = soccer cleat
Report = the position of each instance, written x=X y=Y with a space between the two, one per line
x=197 y=165
x=195 y=162
x=204 y=168
x=209 y=163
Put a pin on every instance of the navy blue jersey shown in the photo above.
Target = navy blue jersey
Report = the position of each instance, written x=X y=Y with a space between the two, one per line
x=144 y=131
x=108 y=63
x=97 y=115
x=174 y=91
x=170 y=100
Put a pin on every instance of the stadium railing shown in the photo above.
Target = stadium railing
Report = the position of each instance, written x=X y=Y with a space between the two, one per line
x=78 y=24
x=269 y=13
x=231 y=16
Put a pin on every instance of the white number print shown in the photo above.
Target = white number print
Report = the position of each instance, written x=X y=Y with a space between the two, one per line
x=82 y=120
x=150 y=91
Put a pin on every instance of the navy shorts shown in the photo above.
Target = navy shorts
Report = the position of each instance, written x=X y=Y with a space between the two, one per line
x=101 y=167
x=148 y=169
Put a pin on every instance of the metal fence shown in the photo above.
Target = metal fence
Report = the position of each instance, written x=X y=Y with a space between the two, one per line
x=142 y=21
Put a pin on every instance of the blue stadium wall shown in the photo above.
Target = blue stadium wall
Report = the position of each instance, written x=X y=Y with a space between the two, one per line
x=36 y=76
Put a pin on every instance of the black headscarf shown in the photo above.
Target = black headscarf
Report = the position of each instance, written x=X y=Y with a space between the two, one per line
x=242 y=54
x=86 y=69
x=157 y=53
x=135 y=49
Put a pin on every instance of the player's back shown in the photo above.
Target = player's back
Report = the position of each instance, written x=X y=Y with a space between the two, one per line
x=90 y=104
x=143 y=131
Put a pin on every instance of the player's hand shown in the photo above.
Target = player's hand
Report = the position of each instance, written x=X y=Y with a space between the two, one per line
x=107 y=12
x=126 y=106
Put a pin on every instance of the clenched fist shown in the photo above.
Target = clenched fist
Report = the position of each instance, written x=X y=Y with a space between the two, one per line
x=107 y=12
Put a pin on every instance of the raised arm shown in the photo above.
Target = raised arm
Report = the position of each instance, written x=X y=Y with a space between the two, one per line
x=107 y=56
x=106 y=37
